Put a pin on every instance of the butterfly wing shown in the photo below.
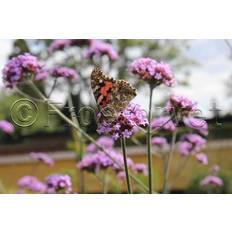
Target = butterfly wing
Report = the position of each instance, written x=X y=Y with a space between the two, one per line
x=111 y=96
x=122 y=94
x=102 y=86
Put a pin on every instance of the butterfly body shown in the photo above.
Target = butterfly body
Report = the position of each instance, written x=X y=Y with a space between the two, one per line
x=112 y=96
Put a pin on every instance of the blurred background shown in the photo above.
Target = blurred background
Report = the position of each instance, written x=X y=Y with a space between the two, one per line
x=204 y=74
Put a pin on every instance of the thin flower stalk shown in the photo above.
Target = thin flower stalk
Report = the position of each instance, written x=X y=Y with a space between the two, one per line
x=167 y=163
x=149 y=153
x=123 y=145
x=52 y=88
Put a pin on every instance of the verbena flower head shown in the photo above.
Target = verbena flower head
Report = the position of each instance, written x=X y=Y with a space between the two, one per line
x=212 y=181
x=180 y=106
x=121 y=175
x=64 y=72
x=159 y=143
x=140 y=168
x=202 y=158
x=100 y=161
x=197 y=124
x=42 y=157
x=98 y=48
x=95 y=162
x=32 y=184
x=104 y=141
x=43 y=74
x=152 y=71
x=117 y=166
x=126 y=122
x=184 y=148
x=190 y=144
x=37 y=187
x=163 y=123
x=20 y=67
x=137 y=168
x=59 y=44
x=57 y=183
x=25 y=181
x=6 y=127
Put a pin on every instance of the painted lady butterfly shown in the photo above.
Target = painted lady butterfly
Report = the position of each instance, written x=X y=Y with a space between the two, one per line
x=112 y=96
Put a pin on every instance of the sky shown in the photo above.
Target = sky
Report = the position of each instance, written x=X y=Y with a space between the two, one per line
x=207 y=79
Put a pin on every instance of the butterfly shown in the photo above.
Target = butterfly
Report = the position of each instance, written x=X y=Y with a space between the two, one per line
x=112 y=96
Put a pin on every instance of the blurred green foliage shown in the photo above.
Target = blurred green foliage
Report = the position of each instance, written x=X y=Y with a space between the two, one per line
x=43 y=124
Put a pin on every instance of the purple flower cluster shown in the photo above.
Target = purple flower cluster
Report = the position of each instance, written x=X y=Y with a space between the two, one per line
x=137 y=168
x=180 y=106
x=57 y=72
x=159 y=143
x=202 y=158
x=57 y=183
x=125 y=124
x=42 y=157
x=140 y=168
x=19 y=67
x=117 y=166
x=64 y=72
x=212 y=181
x=43 y=74
x=59 y=44
x=98 y=48
x=6 y=127
x=104 y=141
x=190 y=144
x=96 y=160
x=152 y=71
x=197 y=124
x=32 y=184
x=163 y=123
x=121 y=175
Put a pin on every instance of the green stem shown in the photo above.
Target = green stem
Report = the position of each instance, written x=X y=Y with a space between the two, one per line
x=123 y=145
x=52 y=88
x=70 y=122
x=168 y=162
x=149 y=153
